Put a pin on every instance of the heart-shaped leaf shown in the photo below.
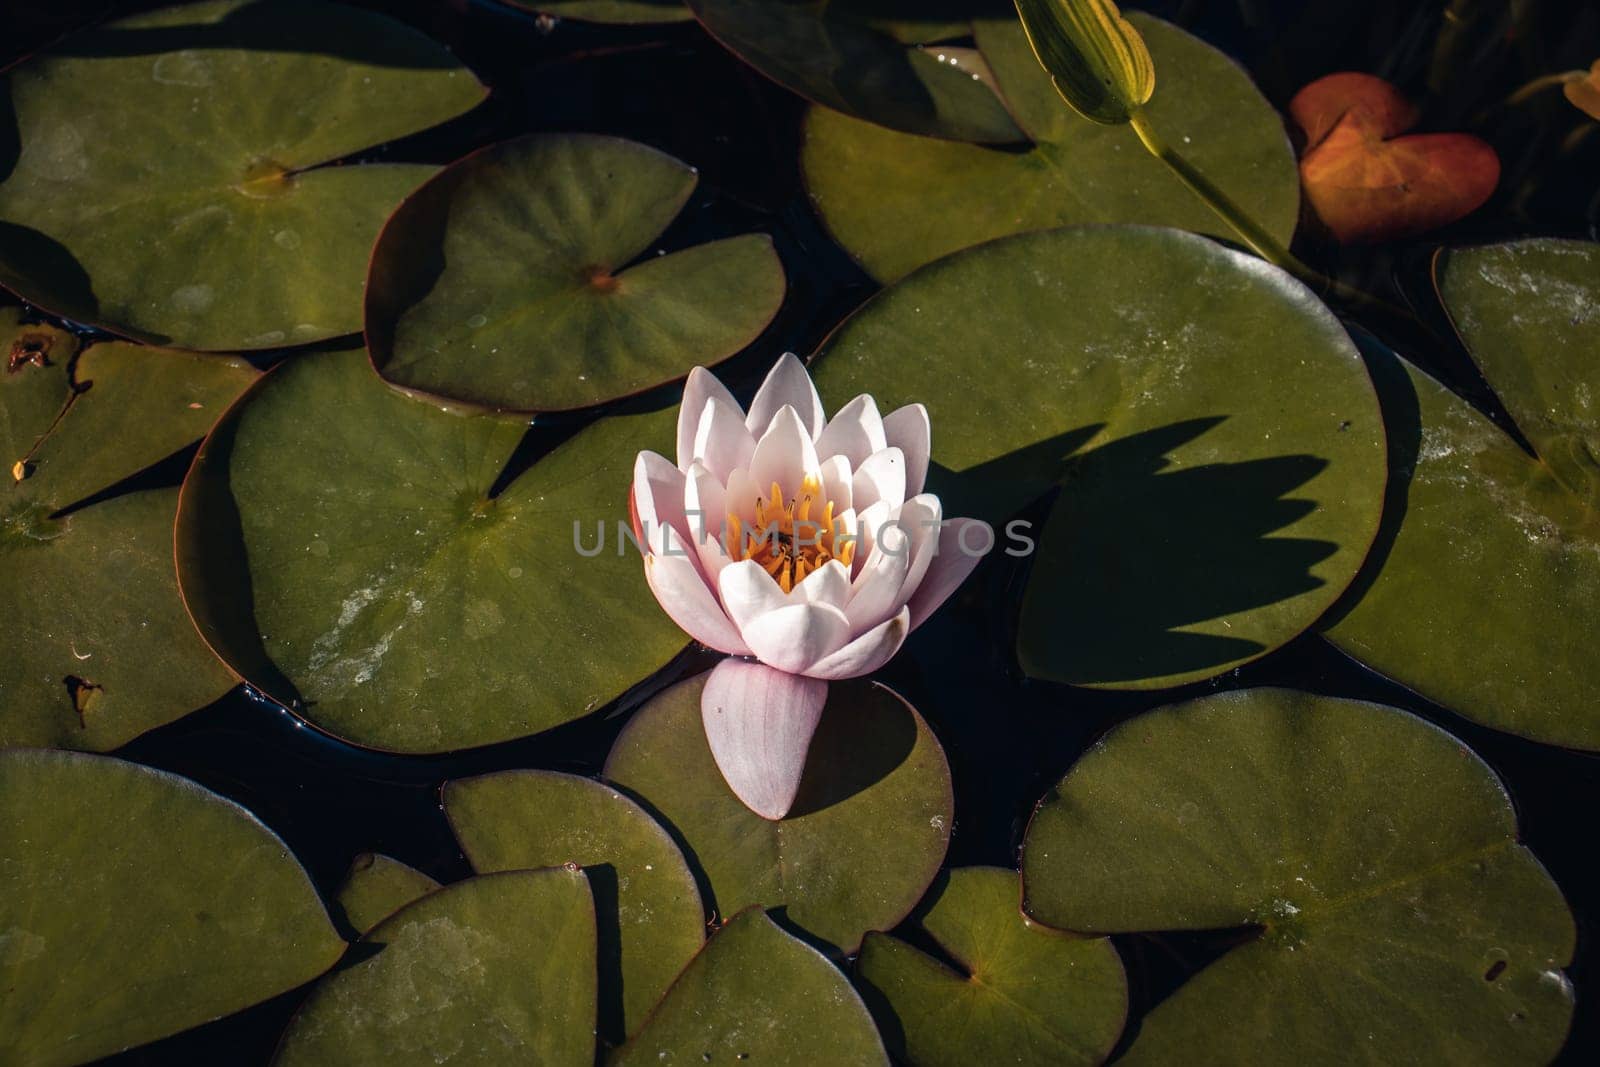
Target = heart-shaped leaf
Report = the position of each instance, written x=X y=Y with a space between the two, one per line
x=502 y=280
x=1366 y=182
x=1584 y=92
x=651 y=921
x=168 y=178
x=862 y=57
x=1204 y=517
x=134 y=904
x=756 y=994
x=865 y=836
x=497 y=969
x=350 y=551
x=897 y=201
x=1396 y=916
x=1026 y=994
x=1484 y=591
x=376 y=887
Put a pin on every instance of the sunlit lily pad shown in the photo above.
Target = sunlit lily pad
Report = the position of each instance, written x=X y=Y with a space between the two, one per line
x=509 y=279
x=99 y=647
x=862 y=842
x=650 y=918
x=862 y=57
x=897 y=201
x=377 y=887
x=1027 y=994
x=134 y=904
x=754 y=994
x=1484 y=591
x=1214 y=435
x=497 y=969
x=350 y=551
x=1399 y=919
x=167 y=178
x=621 y=12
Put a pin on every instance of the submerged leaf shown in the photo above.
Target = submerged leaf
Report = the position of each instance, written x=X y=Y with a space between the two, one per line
x=1096 y=58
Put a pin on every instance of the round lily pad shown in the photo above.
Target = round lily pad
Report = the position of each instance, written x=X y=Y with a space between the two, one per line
x=506 y=280
x=650 y=918
x=101 y=648
x=134 y=904
x=863 y=840
x=497 y=969
x=1484 y=591
x=863 y=58
x=620 y=12
x=1025 y=994
x=169 y=174
x=756 y=994
x=1396 y=917
x=896 y=201
x=1213 y=434
x=351 y=552
x=376 y=887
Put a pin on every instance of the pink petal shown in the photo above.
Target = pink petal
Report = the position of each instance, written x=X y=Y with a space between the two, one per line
x=875 y=593
x=684 y=596
x=868 y=522
x=701 y=386
x=828 y=584
x=868 y=652
x=949 y=568
x=759 y=723
x=855 y=432
x=740 y=499
x=784 y=455
x=794 y=638
x=704 y=513
x=922 y=518
x=836 y=475
x=881 y=477
x=749 y=592
x=658 y=489
x=721 y=441
x=787 y=385
x=908 y=430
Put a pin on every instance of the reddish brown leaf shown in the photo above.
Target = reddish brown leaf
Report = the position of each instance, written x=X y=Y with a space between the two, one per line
x=1585 y=92
x=1318 y=107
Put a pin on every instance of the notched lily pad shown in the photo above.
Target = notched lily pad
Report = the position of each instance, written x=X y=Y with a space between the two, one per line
x=376 y=887
x=1211 y=429
x=1026 y=994
x=168 y=178
x=102 y=649
x=651 y=921
x=862 y=842
x=755 y=994
x=134 y=904
x=896 y=201
x=1484 y=591
x=1395 y=915
x=352 y=552
x=496 y=969
x=509 y=280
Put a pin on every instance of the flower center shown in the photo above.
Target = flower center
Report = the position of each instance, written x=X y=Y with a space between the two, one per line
x=791 y=538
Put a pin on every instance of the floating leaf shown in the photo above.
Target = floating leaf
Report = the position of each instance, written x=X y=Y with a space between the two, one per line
x=377 y=887
x=897 y=201
x=1214 y=435
x=620 y=12
x=102 y=650
x=1398 y=918
x=349 y=550
x=756 y=994
x=1026 y=994
x=168 y=181
x=1484 y=591
x=501 y=281
x=861 y=58
x=1584 y=92
x=496 y=969
x=134 y=904
x=1095 y=57
x=865 y=836
x=651 y=921
x=1367 y=183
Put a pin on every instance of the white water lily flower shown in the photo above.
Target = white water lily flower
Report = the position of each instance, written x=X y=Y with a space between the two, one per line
x=806 y=544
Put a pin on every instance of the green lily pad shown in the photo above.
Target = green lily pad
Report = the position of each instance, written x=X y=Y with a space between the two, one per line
x=103 y=650
x=1026 y=994
x=896 y=201
x=619 y=12
x=864 y=838
x=1212 y=430
x=376 y=887
x=167 y=176
x=339 y=546
x=651 y=921
x=497 y=969
x=134 y=904
x=755 y=994
x=862 y=57
x=501 y=281
x=1484 y=592
x=1399 y=919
